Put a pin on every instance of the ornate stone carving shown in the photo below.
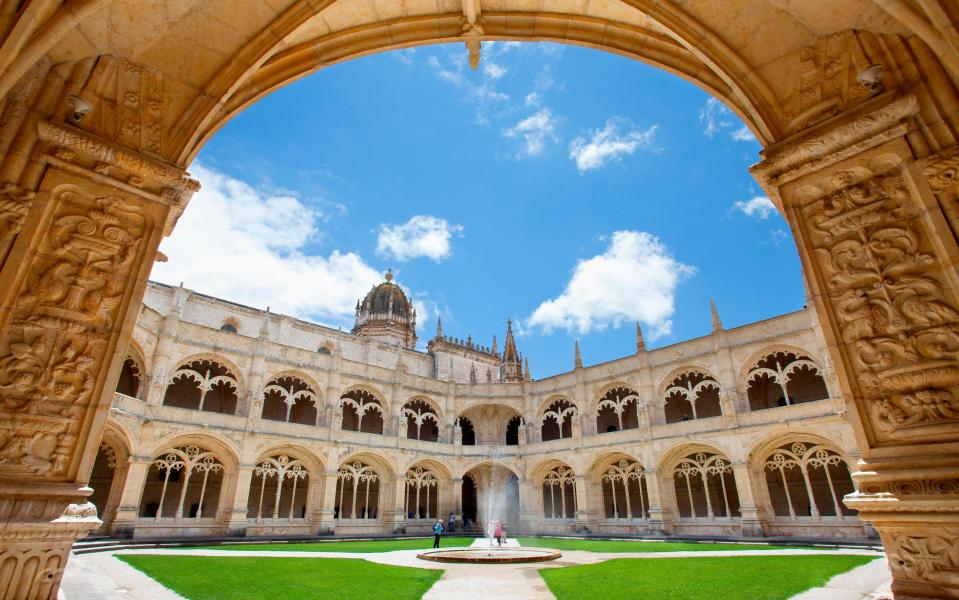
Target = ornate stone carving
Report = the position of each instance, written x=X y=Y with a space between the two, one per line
x=14 y=205
x=942 y=170
x=911 y=487
x=916 y=557
x=881 y=276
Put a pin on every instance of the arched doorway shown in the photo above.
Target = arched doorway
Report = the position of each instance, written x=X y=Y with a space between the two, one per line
x=497 y=494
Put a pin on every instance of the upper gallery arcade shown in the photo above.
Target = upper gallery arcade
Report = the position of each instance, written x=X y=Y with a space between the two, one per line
x=106 y=102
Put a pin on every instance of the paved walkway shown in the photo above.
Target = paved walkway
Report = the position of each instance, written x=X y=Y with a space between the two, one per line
x=101 y=576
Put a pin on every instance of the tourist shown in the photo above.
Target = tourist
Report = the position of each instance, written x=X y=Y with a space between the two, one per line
x=451 y=524
x=499 y=533
x=437 y=532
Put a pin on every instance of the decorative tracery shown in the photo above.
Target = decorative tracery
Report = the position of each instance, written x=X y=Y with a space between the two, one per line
x=290 y=399
x=421 y=422
x=801 y=474
x=284 y=474
x=203 y=385
x=559 y=493
x=181 y=465
x=617 y=410
x=783 y=379
x=628 y=477
x=421 y=494
x=692 y=395
x=557 y=420
x=356 y=479
x=707 y=483
x=131 y=374
x=362 y=411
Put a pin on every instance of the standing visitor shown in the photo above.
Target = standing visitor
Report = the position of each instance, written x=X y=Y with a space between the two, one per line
x=499 y=533
x=437 y=532
x=451 y=524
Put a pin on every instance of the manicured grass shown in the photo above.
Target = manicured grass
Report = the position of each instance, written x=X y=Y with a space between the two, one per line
x=357 y=546
x=247 y=578
x=641 y=546
x=706 y=578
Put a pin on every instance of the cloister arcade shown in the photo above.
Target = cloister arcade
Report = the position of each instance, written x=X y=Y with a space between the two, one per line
x=288 y=398
x=203 y=385
x=692 y=395
x=856 y=106
x=361 y=411
x=617 y=410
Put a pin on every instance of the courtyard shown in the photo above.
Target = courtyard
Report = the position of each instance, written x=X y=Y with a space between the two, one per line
x=588 y=568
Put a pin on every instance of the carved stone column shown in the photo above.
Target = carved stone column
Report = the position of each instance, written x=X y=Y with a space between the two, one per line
x=583 y=516
x=70 y=290
x=396 y=517
x=239 y=504
x=458 y=499
x=751 y=520
x=659 y=521
x=327 y=523
x=129 y=506
x=879 y=253
x=527 y=507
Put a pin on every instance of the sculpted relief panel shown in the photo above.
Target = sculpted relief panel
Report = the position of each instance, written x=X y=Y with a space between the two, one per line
x=60 y=326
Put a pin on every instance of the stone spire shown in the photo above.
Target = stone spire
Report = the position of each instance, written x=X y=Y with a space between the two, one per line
x=578 y=360
x=640 y=342
x=717 y=323
x=265 y=328
x=526 y=375
x=511 y=367
x=439 y=327
x=494 y=345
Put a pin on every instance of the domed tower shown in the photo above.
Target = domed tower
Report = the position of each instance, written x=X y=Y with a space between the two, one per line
x=386 y=314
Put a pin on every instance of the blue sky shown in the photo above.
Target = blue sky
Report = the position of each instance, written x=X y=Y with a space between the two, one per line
x=573 y=191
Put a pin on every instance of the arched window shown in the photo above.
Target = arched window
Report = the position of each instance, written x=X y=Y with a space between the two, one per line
x=557 y=420
x=421 y=422
x=362 y=411
x=130 y=377
x=559 y=493
x=358 y=492
x=203 y=385
x=421 y=494
x=513 y=427
x=624 y=491
x=706 y=487
x=617 y=411
x=467 y=431
x=785 y=378
x=324 y=350
x=289 y=399
x=279 y=490
x=692 y=395
x=228 y=327
x=807 y=480
x=101 y=479
x=183 y=482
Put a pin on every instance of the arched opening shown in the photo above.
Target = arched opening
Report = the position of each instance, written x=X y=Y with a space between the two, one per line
x=617 y=410
x=806 y=479
x=513 y=427
x=559 y=493
x=421 y=421
x=183 y=483
x=130 y=377
x=557 y=420
x=362 y=411
x=290 y=399
x=422 y=494
x=469 y=501
x=228 y=328
x=705 y=487
x=467 y=432
x=203 y=385
x=692 y=395
x=279 y=490
x=357 y=492
x=497 y=494
x=625 y=496
x=783 y=379
x=103 y=480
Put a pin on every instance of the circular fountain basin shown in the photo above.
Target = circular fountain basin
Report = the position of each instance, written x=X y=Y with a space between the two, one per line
x=490 y=555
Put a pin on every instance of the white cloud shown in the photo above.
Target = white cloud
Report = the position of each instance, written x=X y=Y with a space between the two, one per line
x=635 y=279
x=533 y=99
x=778 y=237
x=760 y=207
x=249 y=245
x=610 y=143
x=481 y=92
x=715 y=117
x=536 y=131
x=422 y=235
x=492 y=70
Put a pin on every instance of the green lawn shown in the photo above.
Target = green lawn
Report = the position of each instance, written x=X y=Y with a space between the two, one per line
x=641 y=546
x=244 y=578
x=706 y=578
x=358 y=546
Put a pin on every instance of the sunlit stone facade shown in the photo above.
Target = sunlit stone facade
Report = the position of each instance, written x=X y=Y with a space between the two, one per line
x=228 y=420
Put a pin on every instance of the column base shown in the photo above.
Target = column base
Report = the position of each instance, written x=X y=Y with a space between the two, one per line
x=38 y=526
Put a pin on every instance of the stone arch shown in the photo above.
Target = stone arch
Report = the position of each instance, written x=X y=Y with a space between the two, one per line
x=363 y=479
x=108 y=475
x=616 y=409
x=504 y=481
x=556 y=480
x=556 y=416
x=292 y=396
x=620 y=479
x=691 y=393
x=286 y=478
x=703 y=484
x=225 y=448
x=423 y=418
x=427 y=482
x=781 y=376
x=601 y=390
x=363 y=410
x=185 y=482
x=134 y=379
x=467 y=430
x=479 y=462
x=237 y=371
x=204 y=382
x=230 y=325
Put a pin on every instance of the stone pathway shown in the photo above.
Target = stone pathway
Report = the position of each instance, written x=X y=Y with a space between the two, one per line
x=101 y=576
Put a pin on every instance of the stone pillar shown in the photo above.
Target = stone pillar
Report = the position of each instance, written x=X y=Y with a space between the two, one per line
x=875 y=228
x=327 y=522
x=659 y=516
x=583 y=515
x=236 y=514
x=458 y=500
x=128 y=508
x=160 y=367
x=752 y=520
x=396 y=518
x=527 y=507
x=71 y=284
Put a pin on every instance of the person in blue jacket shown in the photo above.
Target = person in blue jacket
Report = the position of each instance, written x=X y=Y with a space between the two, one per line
x=437 y=532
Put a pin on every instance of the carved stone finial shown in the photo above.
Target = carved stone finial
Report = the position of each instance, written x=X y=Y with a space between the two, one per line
x=79 y=108
x=389 y=274
x=578 y=360
x=526 y=375
x=640 y=342
x=717 y=323
x=439 y=328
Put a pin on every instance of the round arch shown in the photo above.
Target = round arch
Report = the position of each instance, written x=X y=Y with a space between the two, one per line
x=597 y=395
x=220 y=445
x=666 y=381
x=228 y=363
x=302 y=376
